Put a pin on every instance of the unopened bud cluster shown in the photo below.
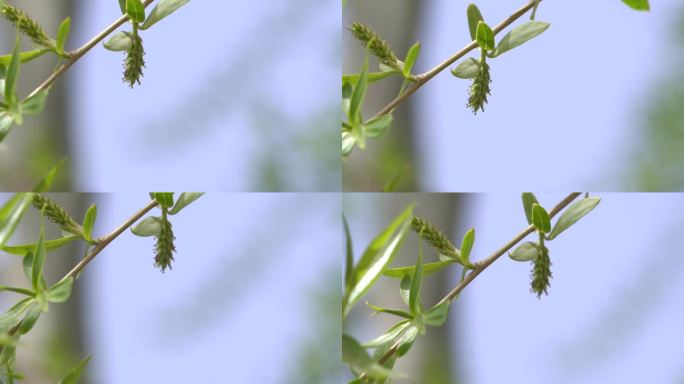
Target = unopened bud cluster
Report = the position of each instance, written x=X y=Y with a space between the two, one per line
x=378 y=47
x=433 y=236
x=26 y=25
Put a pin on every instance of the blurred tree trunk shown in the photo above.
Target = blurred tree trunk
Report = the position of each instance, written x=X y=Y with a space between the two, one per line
x=29 y=152
x=369 y=170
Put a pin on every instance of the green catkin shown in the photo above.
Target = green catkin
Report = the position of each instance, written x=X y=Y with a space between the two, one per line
x=26 y=25
x=433 y=236
x=164 y=248
x=479 y=89
x=378 y=47
x=541 y=273
x=56 y=214
x=134 y=62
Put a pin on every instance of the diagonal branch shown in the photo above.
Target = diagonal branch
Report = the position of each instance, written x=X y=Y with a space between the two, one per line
x=422 y=79
x=482 y=265
x=75 y=55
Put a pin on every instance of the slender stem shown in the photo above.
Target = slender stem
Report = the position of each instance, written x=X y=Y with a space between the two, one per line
x=427 y=76
x=104 y=242
x=482 y=265
x=75 y=55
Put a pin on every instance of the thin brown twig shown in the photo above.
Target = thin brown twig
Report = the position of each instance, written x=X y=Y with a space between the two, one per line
x=482 y=265
x=76 y=54
x=422 y=79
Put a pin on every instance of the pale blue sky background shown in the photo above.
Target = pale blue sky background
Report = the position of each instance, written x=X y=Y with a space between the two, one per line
x=613 y=313
x=563 y=110
x=226 y=84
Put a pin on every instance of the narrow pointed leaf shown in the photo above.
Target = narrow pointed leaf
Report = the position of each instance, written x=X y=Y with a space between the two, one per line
x=185 y=199
x=520 y=35
x=349 y=258
x=416 y=284
x=639 y=5
x=38 y=262
x=389 y=311
x=358 y=95
x=573 y=213
x=6 y=122
x=474 y=18
x=529 y=200
x=22 y=291
x=89 y=222
x=76 y=373
x=13 y=74
x=162 y=10
x=411 y=57
x=11 y=214
x=389 y=336
x=467 y=246
x=63 y=34
x=32 y=316
x=428 y=268
x=46 y=182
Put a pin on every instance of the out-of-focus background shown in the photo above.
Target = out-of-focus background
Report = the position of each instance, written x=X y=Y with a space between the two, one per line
x=236 y=97
x=592 y=103
x=613 y=313
x=248 y=300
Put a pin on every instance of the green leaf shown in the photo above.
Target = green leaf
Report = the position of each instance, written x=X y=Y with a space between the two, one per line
x=529 y=200
x=13 y=74
x=353 y=79
x=639 y=5
x=540 y=218
x=161 y=10
x=467 y=246
x=46 y=182
x=377 y=127
x=410 y=60
x=32 y=315
x=526 y=251
x=389 y=336
x=185 y=199
x=5 y=60
x=10 y=318
x=359 y=95
x=6 y=122
x=474 y=18
x=38 y=262
x=121 y=41
x=395 y=312
x=467 y=69
x=572 y=214
x=416 y=283
x=34 y=104
x=437 y=315
x=485 y=37
x=349 y=259
x=149 y=226
x=406 y=340
x=135 y=10
x=405 y=287
x=348 y=143
x=376 y=257
x=520 y=35
x=63 y=34
x=72 y=378
x=428 y=268
x=11 y=214
x=61 y=291
x=89 y=222
x=22 y=291
x=49 y=245
x=357 y=357
x=165 y=199
x=122 y=5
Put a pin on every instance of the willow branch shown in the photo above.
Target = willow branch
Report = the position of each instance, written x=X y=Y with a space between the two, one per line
x=75 y=55
x=482 y=265
x=422 y=79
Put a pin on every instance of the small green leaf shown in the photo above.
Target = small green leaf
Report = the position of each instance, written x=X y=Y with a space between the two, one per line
x=6 y=122
x=373 y=77
x=32 y=316
x=416 y=282
x=395 y=312
x=474 y=18
x=467 y=69
x=411 y=57
x=526 y=251
x=38 y=262
x=34 y=104
x=389 y=336
x=485 y=37
x=161 y=10
x=428 y=268
x=540 y=218
x=165 y=199
x=377 y=127
x=349 y=258
x=63 y=34
x=379 y=253
x=520 y=35
x=529 y=200
x=11 y=214
x=357 y=357
x=359 y=95
x=89 y=222
x=13 y=74
x=437 y=315
x=46 y=182
x=61 y=291
x=149 y=226
x=185 y=199
x=72 y=378
x=407 y=339
x=22 y=291
x=135 y=10
x=572 y=214
x=639 y=5
x=121 y=41
x=122 y=5
x=50 y=245
x=405 y=287
x=467 y=246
